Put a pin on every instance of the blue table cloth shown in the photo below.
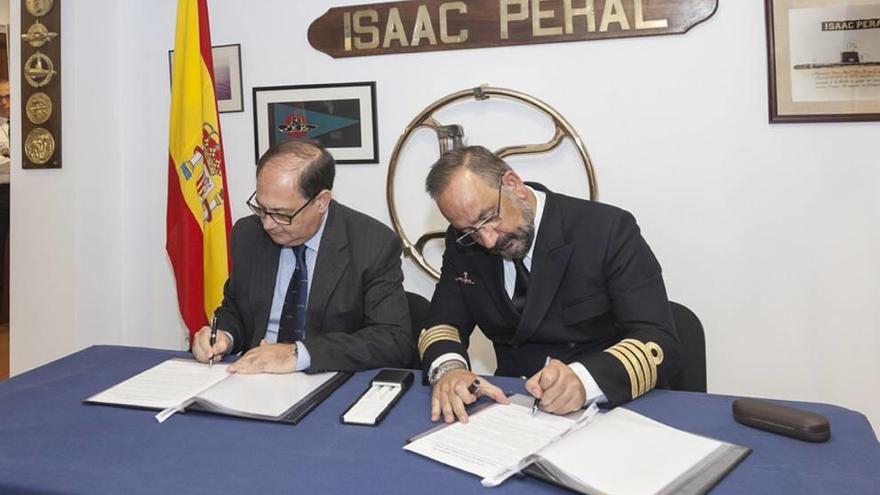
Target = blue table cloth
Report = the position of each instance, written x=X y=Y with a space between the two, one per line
x=50 y=442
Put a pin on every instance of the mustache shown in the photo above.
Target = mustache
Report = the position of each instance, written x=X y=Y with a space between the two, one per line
x=502 y=243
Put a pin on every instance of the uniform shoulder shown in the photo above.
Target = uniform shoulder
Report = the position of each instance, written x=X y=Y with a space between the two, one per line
x=578 y=209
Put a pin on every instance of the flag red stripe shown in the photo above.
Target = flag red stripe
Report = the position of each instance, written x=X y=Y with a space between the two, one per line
x=184 y=246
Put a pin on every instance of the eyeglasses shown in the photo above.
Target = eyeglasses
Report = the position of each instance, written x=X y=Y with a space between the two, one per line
x=282 y=218
x=468 y=237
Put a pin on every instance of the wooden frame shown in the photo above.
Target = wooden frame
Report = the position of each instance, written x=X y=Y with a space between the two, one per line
x=342 y=116
x=823 y=60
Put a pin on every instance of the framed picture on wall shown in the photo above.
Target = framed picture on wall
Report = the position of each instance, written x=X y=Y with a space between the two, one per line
x=823 y=60
x=227 y=77
x=341 y=116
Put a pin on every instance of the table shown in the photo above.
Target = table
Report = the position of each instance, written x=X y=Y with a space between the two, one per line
x=50 y=442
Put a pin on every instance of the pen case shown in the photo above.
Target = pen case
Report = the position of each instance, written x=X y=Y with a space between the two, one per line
x=385 y=389
x=785 y=420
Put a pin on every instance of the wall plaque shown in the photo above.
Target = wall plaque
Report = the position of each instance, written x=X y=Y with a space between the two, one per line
x=41 y=83
x=427 y=25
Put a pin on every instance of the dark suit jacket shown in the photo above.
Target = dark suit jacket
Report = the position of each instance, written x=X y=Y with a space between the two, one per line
x=594 y=282
x=357 y=316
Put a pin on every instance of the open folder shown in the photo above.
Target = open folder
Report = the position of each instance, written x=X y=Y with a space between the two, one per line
x=618 y=452
x=186 y=385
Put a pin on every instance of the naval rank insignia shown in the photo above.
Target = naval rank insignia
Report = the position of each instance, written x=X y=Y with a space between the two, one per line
x=640 y=360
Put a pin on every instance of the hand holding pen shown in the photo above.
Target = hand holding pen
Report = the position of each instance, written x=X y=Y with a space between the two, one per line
x=556 y=388
x=210 y=343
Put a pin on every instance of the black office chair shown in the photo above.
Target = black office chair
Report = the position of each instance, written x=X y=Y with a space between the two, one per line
x=692 y=376
x=418 y=312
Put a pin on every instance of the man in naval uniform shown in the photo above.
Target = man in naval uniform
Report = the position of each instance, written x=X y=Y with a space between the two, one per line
x=567 y=290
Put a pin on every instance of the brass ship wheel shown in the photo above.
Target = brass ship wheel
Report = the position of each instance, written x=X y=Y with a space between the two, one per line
x=450 y=137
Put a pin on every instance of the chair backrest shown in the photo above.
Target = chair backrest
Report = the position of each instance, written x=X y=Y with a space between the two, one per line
x=418 y=312
x=692 y=376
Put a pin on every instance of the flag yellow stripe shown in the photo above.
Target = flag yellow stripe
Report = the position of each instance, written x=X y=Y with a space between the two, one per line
x=195 y=148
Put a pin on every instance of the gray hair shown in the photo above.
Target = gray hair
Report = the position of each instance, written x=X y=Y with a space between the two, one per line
x=479 y=160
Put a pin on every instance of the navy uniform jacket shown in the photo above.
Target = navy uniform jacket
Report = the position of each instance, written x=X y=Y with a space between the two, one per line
x=357 y=315
x=596 y=296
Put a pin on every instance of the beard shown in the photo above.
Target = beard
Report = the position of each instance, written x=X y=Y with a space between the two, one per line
x=516 y=244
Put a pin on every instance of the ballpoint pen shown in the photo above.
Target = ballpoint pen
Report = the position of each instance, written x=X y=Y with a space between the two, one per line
x=213 y=340
x=537 y=401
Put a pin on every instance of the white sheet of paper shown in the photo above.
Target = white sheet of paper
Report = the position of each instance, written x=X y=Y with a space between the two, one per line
x=168 y=384
x=494 y=440
x=603 y=454
x=262 y=394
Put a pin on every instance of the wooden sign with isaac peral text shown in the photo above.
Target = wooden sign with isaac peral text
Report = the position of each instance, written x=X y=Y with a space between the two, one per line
x=428 y=25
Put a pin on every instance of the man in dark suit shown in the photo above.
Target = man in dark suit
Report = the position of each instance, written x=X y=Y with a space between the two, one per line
x=567 y=290
x=314 y=285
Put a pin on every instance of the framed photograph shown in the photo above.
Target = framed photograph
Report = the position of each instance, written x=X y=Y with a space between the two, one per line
x=340 y=116
x=823 y=60
x=227 y=77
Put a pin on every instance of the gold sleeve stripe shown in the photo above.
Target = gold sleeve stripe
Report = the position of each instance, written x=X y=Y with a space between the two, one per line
x=656 y=352
x=640 y=360
x=654 y=355
x=434 y=334
x=648 y=368
x=637 y=366
x=629 y=370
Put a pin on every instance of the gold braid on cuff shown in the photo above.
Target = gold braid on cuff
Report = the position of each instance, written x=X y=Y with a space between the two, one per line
x=640 y=360
x=435 y=334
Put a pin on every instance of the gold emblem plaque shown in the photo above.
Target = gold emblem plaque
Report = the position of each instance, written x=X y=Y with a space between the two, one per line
x=40 y=103
x=38 y=35
x=39 y=146
x=39 y=8
x=38 y=108
x=39 y=70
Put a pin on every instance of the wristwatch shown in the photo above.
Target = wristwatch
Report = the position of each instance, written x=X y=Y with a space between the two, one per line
x=452 y=364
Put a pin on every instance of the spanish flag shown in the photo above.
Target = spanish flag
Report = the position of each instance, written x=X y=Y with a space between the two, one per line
x=198 y=222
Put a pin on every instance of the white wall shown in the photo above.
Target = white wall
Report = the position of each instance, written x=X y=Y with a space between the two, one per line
x=769 y=233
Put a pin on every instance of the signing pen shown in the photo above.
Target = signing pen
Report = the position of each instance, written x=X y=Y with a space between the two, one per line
x=213 y=340
x=537 y=401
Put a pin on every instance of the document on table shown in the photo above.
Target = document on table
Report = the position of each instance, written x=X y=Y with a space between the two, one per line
x=594 y=454
x=181 y=384
x=601 y=457
x=495 y=440
x=167 y=384
x=261 y=394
